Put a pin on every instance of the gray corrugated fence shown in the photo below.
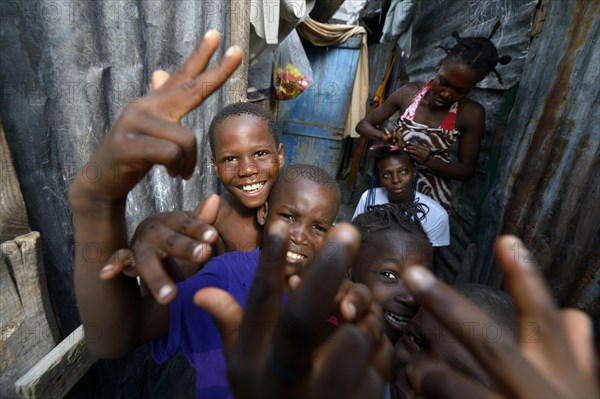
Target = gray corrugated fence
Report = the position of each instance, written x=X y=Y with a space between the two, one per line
x=66 y=71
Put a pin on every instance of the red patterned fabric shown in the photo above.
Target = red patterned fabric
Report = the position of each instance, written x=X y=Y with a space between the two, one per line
x=439 y=140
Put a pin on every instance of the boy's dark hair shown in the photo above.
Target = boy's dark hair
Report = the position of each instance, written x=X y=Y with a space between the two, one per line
x=298 y=172
x=477 y=52
x=496 y=303
x=394 y=220
x=238 y=109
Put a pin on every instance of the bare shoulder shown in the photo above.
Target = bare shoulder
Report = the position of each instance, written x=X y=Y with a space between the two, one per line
x=411 y=88
x=468 y=107
x=470 y=114
x=404 y=95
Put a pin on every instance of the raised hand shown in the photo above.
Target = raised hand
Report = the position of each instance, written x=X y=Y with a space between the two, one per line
x=146 y=133
x=167 y=247
x=148 y=130
x=294 y=362
x=553 y=358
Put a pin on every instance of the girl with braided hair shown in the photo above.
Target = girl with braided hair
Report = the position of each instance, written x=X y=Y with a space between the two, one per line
x=393 y=182
x=433 y=117
x=391 y=240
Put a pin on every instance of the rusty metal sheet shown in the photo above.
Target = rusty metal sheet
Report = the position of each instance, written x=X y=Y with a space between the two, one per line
x=548 y=185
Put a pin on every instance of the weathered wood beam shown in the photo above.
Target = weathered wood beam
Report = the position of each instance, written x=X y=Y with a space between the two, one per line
x=27 y=323
x=240 y=36
x=58 y=371
x=13 y=221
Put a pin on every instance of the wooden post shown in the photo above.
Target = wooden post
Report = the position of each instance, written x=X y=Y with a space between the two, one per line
x=27 y=323
x=13 y=221
x=240 y=36
x=356 y=158
x=58 y=371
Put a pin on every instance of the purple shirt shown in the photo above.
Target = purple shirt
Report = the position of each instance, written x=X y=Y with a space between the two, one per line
x=192 y=330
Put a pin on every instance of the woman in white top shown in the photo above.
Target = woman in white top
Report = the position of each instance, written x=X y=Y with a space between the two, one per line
x=395 y=172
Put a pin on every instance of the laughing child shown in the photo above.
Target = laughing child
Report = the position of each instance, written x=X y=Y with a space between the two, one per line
x=246 y=156
x=391 y=239
x=308 y=202
x=306 y=198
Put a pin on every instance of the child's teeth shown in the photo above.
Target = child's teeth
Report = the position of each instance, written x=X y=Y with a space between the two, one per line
x=293 y=255
x=395 y=317
x=252 y=187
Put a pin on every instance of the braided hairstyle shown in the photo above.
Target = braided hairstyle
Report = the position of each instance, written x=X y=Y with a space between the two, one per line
x=391 y=220
x=478 y=53
x=421 y=209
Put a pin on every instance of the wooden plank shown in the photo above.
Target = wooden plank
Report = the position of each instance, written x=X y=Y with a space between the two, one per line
x=14 y=220
x=27 y=324
x=240 y=36
x=58 y=371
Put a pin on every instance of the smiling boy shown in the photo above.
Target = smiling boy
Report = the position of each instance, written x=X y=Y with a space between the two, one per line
x=307 y=199
x=246 y=156
x=304 y=197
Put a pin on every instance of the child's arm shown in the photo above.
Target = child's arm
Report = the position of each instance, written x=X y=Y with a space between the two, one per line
x=147 y=132
x=369 y=126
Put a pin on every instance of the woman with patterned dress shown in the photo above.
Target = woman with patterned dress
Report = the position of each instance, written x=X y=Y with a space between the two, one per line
x=437 y=114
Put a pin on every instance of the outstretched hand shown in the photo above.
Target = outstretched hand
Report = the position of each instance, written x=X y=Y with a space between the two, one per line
x=294 y=362
x=146 y=133
x=148 y=130
x=554 y=357
x=168 y=247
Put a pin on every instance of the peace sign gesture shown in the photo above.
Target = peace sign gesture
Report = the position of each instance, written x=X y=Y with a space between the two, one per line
x=146 y=133
x=554 y=357
x=148 y=130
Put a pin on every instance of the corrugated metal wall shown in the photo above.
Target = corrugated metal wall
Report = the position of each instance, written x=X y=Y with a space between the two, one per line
x=66 y=70
x=547 y=190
